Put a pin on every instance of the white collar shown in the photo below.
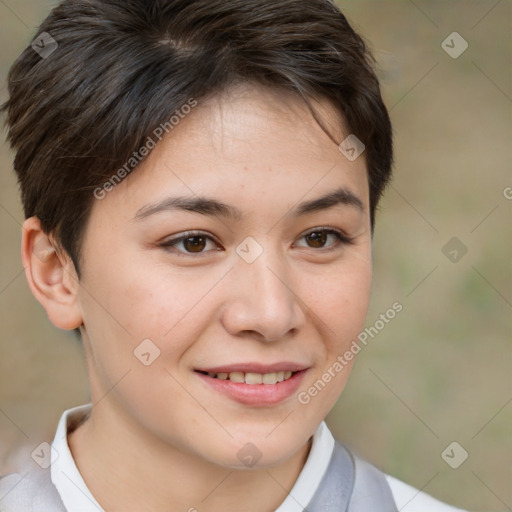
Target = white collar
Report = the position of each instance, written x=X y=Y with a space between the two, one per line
x=312 y=472
x=65 y=475
x=76 y=496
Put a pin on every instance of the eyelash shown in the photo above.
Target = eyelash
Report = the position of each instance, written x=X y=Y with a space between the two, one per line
x=170 y=245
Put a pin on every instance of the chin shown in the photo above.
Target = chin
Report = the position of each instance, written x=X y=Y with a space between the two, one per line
x=257 y=451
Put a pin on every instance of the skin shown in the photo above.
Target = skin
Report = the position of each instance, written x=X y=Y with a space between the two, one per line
x=159 y=438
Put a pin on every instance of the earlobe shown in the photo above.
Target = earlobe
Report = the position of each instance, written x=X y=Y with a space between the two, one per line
x=51 y=276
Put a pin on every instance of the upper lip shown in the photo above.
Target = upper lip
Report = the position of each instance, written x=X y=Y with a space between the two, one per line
x=284 y=366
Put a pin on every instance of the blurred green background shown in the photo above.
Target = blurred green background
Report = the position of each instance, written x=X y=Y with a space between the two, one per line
x=441 y=370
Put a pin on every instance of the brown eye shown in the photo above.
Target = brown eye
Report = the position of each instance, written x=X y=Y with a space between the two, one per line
x=324 y=238
x=317 y=239
x=190 y=244
x=194 y=244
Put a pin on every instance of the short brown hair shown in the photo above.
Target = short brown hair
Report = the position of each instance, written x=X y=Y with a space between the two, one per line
x=120 y=68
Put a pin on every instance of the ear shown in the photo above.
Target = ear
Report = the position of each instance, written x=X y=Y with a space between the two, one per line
x=51 y=276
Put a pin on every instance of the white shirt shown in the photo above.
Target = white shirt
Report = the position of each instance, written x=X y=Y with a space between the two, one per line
x=77 y=498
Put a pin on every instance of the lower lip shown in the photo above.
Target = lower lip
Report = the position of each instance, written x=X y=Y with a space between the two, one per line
x=256 y=394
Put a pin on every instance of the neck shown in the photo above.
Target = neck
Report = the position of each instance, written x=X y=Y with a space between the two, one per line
x=129 y=469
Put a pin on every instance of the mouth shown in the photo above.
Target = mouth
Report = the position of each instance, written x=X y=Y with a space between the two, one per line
x=251 y=378
x=254 y=384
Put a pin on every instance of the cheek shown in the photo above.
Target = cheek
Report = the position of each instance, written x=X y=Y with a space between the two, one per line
x=132 y=295
x=167 y=305
x=132 y=300
x=340 y=308
x=341 y=301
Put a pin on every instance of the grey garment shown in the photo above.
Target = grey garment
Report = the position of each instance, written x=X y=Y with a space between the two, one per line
x=371 y=490
x=30 y=491
x=349 y=485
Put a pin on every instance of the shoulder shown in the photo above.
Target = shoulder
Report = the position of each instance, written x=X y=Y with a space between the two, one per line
x=410 y=499
x=372 y=487
x=12 y=493
x=30 y=490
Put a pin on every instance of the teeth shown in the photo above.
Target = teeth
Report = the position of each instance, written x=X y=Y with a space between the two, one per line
x=253 y=378
x=236 y=377
x=269 y=378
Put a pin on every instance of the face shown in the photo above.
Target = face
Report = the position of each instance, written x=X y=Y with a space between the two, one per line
x=223 y=278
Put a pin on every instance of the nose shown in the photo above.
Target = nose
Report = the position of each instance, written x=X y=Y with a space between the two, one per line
x=262 y=301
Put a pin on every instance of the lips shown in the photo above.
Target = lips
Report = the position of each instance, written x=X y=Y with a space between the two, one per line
x=252 y=378
x=254 y=383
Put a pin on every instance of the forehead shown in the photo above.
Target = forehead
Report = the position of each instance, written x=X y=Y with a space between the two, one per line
x=246 y=146
x=246 y=116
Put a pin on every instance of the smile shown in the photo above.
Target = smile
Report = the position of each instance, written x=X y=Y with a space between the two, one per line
x=252 y=378
x=266 y=387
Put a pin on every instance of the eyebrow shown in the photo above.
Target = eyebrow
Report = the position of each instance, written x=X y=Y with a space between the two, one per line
x=213 y=207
